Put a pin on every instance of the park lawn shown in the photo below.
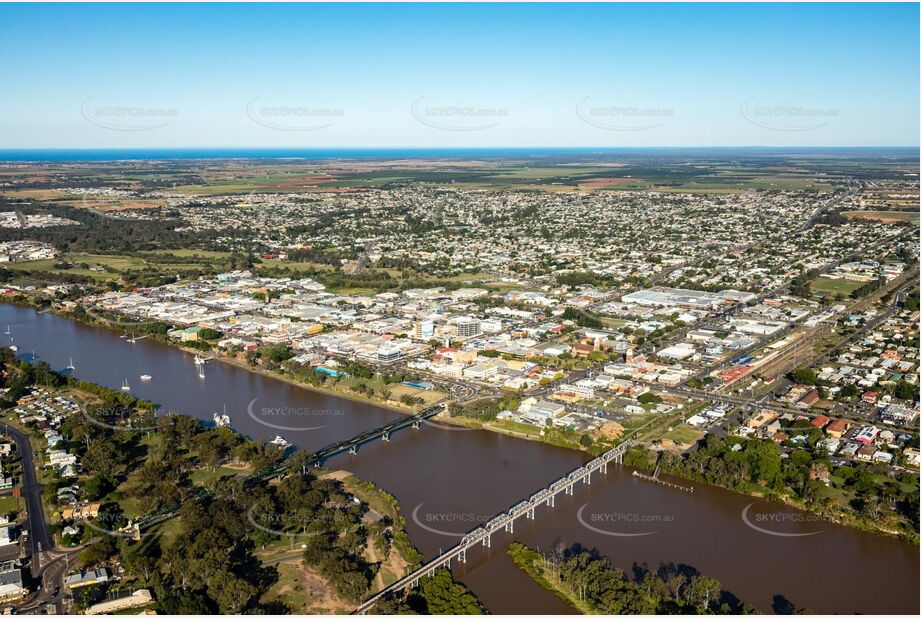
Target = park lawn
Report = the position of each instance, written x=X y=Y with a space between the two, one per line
x=684 y=434
x=97 y=266
x=429 y=397
x=114 y=267
x=49 y=266
x=206 y=477
x=531 y=430
x=635 y=421
x=193 y=253
x=833 y=287
x=295 y=266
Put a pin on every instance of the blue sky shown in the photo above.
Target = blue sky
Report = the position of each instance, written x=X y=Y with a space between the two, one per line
x=474 y=75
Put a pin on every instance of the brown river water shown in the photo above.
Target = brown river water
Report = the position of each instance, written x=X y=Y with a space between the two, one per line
x=449 y=480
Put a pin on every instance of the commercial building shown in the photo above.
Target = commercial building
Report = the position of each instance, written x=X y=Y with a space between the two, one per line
x=467 y=327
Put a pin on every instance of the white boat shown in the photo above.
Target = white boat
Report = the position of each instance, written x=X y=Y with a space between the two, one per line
x=146 y=377
x=125 y=386
x=71 y=365
x=14 y=348
x=199 y=360
x=222 y=420
x=8 y=331
x=279 y=441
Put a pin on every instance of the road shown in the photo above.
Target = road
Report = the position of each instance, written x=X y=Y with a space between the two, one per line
x=54 y=567
x=39 y=537
x=48 y=565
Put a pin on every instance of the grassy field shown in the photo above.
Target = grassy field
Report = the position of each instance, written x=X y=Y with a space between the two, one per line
x=430 y=397
x=8 y=505
x=833 y=287
x=84 y=264
x=684 y=434
x=295 y=266
x=886 y=216
x=207 y=478
x=112 y=267
x=193 y=253
x=291 y=589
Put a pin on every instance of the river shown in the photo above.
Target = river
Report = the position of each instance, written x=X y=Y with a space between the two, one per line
x=448 y=480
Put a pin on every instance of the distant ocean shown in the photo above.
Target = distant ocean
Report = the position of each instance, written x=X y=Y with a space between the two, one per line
x=314 y=154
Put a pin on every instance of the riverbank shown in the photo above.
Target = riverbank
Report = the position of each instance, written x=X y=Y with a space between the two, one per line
x=90 y=320
x=533 y=564
x=450 y=479
x=592 y=585
x=458 y=421
x=821 y=510
x=206 y=455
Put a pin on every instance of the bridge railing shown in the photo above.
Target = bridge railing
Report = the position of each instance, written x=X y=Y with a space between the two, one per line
x=501 y=521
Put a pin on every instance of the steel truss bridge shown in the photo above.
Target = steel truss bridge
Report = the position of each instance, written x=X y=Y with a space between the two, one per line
x=504 y=521
x=316 y=459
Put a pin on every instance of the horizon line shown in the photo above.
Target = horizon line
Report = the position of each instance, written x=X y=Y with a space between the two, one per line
x=459 y=148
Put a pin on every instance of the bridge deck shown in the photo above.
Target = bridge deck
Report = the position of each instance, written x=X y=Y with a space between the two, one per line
x=503 y=521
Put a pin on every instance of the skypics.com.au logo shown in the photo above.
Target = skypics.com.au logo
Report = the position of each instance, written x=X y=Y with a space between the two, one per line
x=789 y=524
x=440 y=522
x=622 y=523
x=290 y=418
x=458 y=118
x=293 y=117
x=127 y=118
x=786 y=118
x=626 y=118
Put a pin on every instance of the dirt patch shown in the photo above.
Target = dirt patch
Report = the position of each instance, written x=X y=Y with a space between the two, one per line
x=337 y=475
x=304 y=591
